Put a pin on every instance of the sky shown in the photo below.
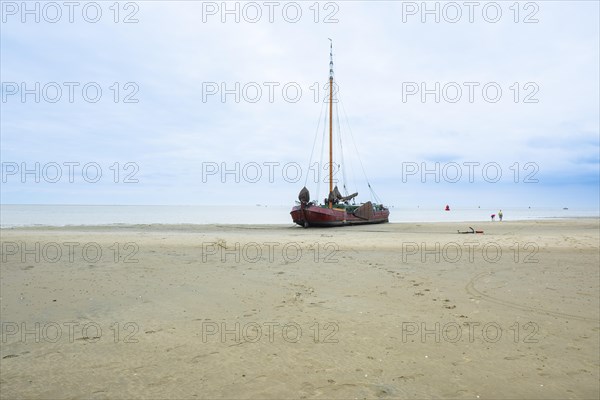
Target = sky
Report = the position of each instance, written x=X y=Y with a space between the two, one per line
x=187 y=102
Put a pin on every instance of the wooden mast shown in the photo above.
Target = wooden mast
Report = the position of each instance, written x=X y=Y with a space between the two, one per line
x=330 y=120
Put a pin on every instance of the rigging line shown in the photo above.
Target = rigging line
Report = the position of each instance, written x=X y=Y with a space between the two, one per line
x=342 y=163
x=353 y=141
x=377 y=199
x=372 y=193
x=324 y=152
x=313 y=147
x=354 y=181
x=356 y=148
x=320 y=164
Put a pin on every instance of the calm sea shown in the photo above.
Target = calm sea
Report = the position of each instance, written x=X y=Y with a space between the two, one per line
x=64 y=215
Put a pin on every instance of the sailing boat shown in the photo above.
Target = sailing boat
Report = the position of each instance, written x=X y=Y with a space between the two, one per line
x=335 y=210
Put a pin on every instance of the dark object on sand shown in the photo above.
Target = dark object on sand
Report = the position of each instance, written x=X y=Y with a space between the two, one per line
x=471 y=231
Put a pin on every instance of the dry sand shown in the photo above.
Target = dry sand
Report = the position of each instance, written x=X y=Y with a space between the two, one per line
x=383 y=311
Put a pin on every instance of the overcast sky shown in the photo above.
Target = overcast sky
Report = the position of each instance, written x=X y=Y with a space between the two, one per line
x=509 y=90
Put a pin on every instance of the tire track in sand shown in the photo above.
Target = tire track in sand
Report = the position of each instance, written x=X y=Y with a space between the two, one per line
x=472 y=290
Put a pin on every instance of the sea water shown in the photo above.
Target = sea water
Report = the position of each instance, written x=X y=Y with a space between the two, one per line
x=67 y=215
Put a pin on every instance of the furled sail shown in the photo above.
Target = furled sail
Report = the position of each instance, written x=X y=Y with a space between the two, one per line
x=350 y=197
x=336 y=196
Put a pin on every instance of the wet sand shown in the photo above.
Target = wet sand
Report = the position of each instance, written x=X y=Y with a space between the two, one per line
x=381 y=311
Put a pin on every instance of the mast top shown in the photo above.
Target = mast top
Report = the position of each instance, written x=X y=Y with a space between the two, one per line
x=330 y=59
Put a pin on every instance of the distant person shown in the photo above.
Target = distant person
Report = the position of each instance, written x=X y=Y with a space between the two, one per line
x=500 y=215
x=493 y=216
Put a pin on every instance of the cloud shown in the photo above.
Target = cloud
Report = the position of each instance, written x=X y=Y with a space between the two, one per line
x=171 y=56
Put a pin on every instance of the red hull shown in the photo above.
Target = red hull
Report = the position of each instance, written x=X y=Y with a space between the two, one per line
x=320 y=216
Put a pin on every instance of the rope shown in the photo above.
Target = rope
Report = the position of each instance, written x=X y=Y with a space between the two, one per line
x=372 y=192
x=313 y=151
x=342 y=163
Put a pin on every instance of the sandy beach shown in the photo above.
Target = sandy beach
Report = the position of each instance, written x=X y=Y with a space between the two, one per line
x=410 y=310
